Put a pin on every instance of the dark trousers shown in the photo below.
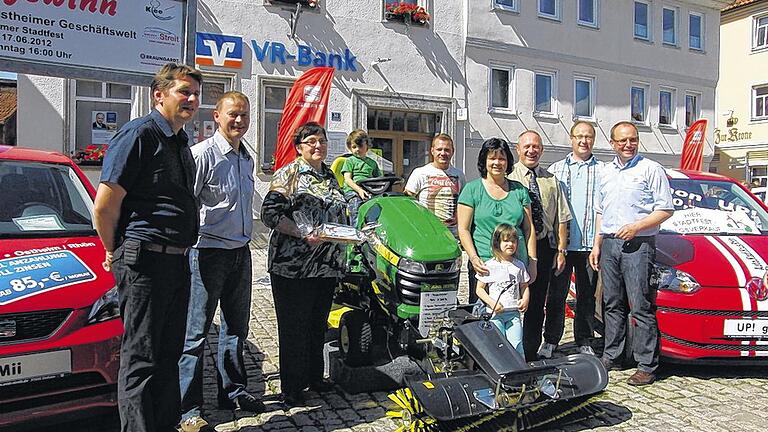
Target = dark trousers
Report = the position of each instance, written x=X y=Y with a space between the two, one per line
x=154 y=293
x=302 y=307
x=472 y=275
x=219 y=276
x=533 y=319
x=625 y=267
x=586 y=281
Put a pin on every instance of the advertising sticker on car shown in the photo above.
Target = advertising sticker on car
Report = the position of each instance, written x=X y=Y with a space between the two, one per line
x=25 y=276
x=34 y=367
x=746 y=328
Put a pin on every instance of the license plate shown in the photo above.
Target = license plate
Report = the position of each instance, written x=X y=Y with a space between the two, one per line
x=34 y=367
x=434 y=305
x=746 y=328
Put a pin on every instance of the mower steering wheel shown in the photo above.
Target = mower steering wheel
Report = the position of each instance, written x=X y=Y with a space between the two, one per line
x=379 y=185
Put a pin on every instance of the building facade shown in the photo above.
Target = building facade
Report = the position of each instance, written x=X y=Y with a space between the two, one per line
x=542 y=64
x=472 y=69
x=741 y=133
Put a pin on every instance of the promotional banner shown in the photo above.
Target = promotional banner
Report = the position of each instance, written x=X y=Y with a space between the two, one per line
x=116 y=35
x=306 y=102
x=692 y=157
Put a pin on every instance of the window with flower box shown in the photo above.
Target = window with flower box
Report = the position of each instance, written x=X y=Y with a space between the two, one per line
x=406 y=11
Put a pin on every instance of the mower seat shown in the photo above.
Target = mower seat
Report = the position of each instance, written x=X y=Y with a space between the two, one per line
x=336 y=166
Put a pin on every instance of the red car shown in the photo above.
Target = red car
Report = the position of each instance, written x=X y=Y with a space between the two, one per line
x=711 y=272
x=59 y=316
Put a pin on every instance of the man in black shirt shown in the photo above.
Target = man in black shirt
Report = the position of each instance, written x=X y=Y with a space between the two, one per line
x=147 y=218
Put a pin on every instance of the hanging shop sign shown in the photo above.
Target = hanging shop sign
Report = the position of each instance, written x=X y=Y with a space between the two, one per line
x=731 y=135
x=124 y=36
x=305 y=56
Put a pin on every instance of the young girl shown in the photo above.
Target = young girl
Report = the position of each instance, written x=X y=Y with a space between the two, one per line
x=505 y=289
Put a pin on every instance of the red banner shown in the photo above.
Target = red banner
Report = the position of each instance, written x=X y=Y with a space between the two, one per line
x=307 y=102
x=692 y=157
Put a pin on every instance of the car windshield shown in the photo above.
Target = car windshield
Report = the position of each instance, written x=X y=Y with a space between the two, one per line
x=43 y=200
x=714 y=207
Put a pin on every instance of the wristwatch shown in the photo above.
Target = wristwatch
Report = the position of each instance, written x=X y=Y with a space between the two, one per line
x=563 y=251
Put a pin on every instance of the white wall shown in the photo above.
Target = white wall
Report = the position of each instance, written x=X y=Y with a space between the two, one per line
x=41 y=106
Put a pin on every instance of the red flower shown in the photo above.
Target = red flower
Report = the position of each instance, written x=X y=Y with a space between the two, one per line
x=417 y=13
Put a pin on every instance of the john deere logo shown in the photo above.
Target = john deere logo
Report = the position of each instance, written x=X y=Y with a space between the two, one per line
x=439 y=267
x=7 y=329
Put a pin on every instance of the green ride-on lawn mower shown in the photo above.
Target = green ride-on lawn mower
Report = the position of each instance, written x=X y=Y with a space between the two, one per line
x=403 y=276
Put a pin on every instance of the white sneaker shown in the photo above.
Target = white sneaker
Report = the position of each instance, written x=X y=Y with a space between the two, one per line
x=545 y=350
x=586 y=349
x=193 y=424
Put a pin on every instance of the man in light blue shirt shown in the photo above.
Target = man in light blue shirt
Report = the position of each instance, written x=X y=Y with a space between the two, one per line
x=579 y=176
x=634 y=200
x=220 y=263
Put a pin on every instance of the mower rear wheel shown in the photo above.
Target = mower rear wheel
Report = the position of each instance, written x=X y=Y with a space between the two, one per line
x=355 y=338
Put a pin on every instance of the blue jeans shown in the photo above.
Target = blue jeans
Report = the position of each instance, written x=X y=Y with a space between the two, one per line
x=218 y=276
x=353 y=204
x=511 y=326
x=625 y=267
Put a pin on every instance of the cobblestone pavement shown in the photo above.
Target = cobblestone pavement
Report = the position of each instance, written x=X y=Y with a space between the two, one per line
x=685 y=398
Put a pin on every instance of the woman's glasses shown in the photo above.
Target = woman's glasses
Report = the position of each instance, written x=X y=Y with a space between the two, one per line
x=315 y=141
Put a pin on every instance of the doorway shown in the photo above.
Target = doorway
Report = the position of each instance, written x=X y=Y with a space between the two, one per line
x=402 y=137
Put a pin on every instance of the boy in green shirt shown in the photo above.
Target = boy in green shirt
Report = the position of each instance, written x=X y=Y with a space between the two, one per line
x=357 y=167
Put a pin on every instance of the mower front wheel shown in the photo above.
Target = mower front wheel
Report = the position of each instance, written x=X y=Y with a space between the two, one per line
x=355 y=338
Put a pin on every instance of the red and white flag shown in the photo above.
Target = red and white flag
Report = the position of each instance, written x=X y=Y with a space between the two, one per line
x=306 y=102
x=692 y=157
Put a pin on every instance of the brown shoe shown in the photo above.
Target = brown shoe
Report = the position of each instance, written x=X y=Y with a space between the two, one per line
x=640 y=378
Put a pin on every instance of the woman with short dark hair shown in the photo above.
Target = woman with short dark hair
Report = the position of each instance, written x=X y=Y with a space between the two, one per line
x=486 y=202
x=303 y=269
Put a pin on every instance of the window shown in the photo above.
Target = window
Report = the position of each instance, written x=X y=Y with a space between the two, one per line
x=761 y=33
x=544 y=93
x=584 y=98
x=642 y=21
x=695 y=31
x=637 y=103
x=203 y=126
x=666 y=107
x=549 y=9
x=760 y=96
x=101 y=108
x=501 y=89
x=587 y=12
x=272 y=101
x=691 y=109
x=669 y=26
x=510 y=5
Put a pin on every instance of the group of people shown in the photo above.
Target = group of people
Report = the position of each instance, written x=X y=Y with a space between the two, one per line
x=176 y=221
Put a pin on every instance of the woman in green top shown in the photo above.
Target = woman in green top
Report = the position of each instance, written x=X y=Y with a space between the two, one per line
x=488 y=201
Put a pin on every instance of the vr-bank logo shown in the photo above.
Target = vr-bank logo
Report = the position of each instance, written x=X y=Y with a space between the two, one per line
x=163 y=14
x=219 y=50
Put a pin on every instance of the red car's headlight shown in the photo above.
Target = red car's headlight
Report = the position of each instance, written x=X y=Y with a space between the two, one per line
x=107 y=307
x=670 y=279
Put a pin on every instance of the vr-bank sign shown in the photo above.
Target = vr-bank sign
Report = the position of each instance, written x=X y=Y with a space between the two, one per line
x=135 y=36
x=275 y=52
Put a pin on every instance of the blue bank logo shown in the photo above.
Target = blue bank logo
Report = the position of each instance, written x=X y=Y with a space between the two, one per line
x=219 y=50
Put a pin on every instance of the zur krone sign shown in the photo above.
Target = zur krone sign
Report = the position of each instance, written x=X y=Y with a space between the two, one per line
x=135 y=36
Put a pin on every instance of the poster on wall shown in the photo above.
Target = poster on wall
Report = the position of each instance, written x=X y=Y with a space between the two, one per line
x=111 y=35
x=103 y=126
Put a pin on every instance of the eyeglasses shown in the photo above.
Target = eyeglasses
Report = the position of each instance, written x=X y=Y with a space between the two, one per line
x=583 y=137
x=315 y=141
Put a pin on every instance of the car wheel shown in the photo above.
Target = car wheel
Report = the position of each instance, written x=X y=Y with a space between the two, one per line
x=355 y=338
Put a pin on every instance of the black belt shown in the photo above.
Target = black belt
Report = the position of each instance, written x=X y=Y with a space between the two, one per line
x=172 y=250
x=637 y=238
